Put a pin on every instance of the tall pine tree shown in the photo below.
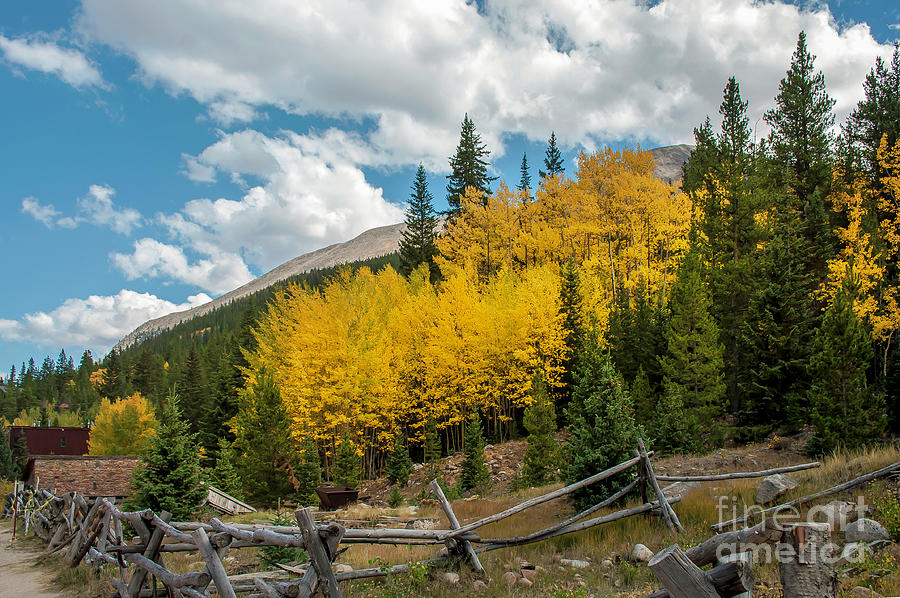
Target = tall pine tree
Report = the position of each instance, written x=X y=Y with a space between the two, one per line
x=525 y=177
x=553 y=161
x=468 y=166
x=417 y=239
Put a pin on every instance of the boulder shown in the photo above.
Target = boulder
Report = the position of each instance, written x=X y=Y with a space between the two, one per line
x=524 y=582
x=575 y=563
x=342 y=568
x=451 y=578
x=854 y=552
x=509 y=578
x=641 y=554
x=479 y=586
x=773 y=487
x=861 y=592
x=865 y=530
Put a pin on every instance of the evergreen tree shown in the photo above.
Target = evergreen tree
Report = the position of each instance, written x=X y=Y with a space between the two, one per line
x=801 y=124
x=346 y=465
x=644 y=399
x=703 y=158
x=8 y=469
x=417 y=239
x=540 y=422
x=474 y=474
x=875 y=116
x=553 y=161
x=263 y=441
x=676 y=429
x=570 y=308
x=603 y=429
x=169 y=477
x=194 y=390
x=693 y=365
x=468 y=166
x=525 y=178
x=399 y=465
x=225 y=475
x=114 y=384
x=846 y=412
x=308 y=472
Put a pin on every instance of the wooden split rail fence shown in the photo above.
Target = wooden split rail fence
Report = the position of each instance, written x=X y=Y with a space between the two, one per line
x=93 y=531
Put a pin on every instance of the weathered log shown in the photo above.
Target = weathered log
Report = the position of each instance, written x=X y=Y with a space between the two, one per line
x=681 y=577
x=738 y=475
x=463 y=546
x=259 y=536
x=805 y=564
x=883 y=472
x=577 y=527
x=765 y=532
x=544 y=498
x=668 y=512
x=318 y=555
x=729 y=579
x=169 y=579
x=540 y=533
x=267 y=590
x=213 y=564
x=151 y=552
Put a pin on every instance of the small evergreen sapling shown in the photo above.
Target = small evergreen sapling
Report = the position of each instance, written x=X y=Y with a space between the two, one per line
x=540 y=421
x=399 y=465
x=676 y=428
x=346 y=464
x=308 y=472
x=474 y=474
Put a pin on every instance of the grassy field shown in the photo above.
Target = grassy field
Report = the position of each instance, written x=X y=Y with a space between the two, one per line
x=614 y=542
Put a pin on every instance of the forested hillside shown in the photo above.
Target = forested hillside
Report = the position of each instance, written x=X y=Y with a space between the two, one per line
x=757 y=295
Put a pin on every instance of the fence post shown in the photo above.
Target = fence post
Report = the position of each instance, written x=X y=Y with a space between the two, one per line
x=319 y=558
x=668 y=512
x=805 y=563
x=463 y=546
x=678 y=575
x=213 y=564
x=151 y=551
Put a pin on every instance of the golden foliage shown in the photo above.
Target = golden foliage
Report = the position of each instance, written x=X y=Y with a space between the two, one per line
x=122 y=428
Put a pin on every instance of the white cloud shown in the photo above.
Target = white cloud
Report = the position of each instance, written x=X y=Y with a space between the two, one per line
x=218 y=274
x=42 y=213
x=592 y=71
x=97 y=322
x=97 y=208
x=229 y=112
x=194 y=170
x=307 y=199
x=40 y=54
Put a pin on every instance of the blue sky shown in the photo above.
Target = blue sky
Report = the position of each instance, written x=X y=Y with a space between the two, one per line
x=158 y=154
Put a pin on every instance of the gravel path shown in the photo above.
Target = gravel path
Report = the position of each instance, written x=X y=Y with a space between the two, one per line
x=18 y=575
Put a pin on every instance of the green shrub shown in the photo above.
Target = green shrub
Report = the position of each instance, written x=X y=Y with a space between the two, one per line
x=395 y=499
x=888 y=507
x=269 y=555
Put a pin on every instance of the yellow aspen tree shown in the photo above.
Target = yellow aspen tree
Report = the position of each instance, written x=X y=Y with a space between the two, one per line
x=124 y=427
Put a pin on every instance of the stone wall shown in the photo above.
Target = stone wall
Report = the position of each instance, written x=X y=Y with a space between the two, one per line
x=90 y=476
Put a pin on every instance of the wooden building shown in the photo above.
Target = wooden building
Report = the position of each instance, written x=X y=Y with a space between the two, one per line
x=51 y=440
x=89 y=476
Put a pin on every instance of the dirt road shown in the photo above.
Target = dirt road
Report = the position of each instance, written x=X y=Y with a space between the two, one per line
x=19 y=578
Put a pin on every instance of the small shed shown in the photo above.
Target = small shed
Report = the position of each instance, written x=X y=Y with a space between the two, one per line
x=226 y=503
x=51 y=440
x=88 y=476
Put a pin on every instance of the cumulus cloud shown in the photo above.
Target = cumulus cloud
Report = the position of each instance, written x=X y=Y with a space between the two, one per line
x=41 y=54
x=219 y=273
x=620 y=69
x=45 y=214
x=97 y=322
x=96 y=208
x=312 y=195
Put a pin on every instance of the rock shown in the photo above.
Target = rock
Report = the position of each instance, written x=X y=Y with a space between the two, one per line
x=773 y=487
x=861 y=592
x=423 y=524
x=509 y=578
x=451 y=578
x=854 y=552
x=529 y=574
x=342 y=568
x=575 y=563
x=681 y=488
x=607 y=564
x=641 y=554
x=525 y=582
x=865 y=530
x=479 y=586
x=836 y=513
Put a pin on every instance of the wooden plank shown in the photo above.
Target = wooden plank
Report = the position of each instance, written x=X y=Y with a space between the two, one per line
x=151 y=552
x=546 y=497
x=464 y=546
x=318 y=555
x=668 y=512
x=213 y=564
x=681 y=577
x=730 y=579
x=738 y=475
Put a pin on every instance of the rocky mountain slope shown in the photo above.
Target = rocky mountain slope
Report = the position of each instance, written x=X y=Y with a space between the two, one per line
x=370 y=244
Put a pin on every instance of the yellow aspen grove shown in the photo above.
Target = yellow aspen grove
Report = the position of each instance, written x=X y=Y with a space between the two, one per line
x=124 y=427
